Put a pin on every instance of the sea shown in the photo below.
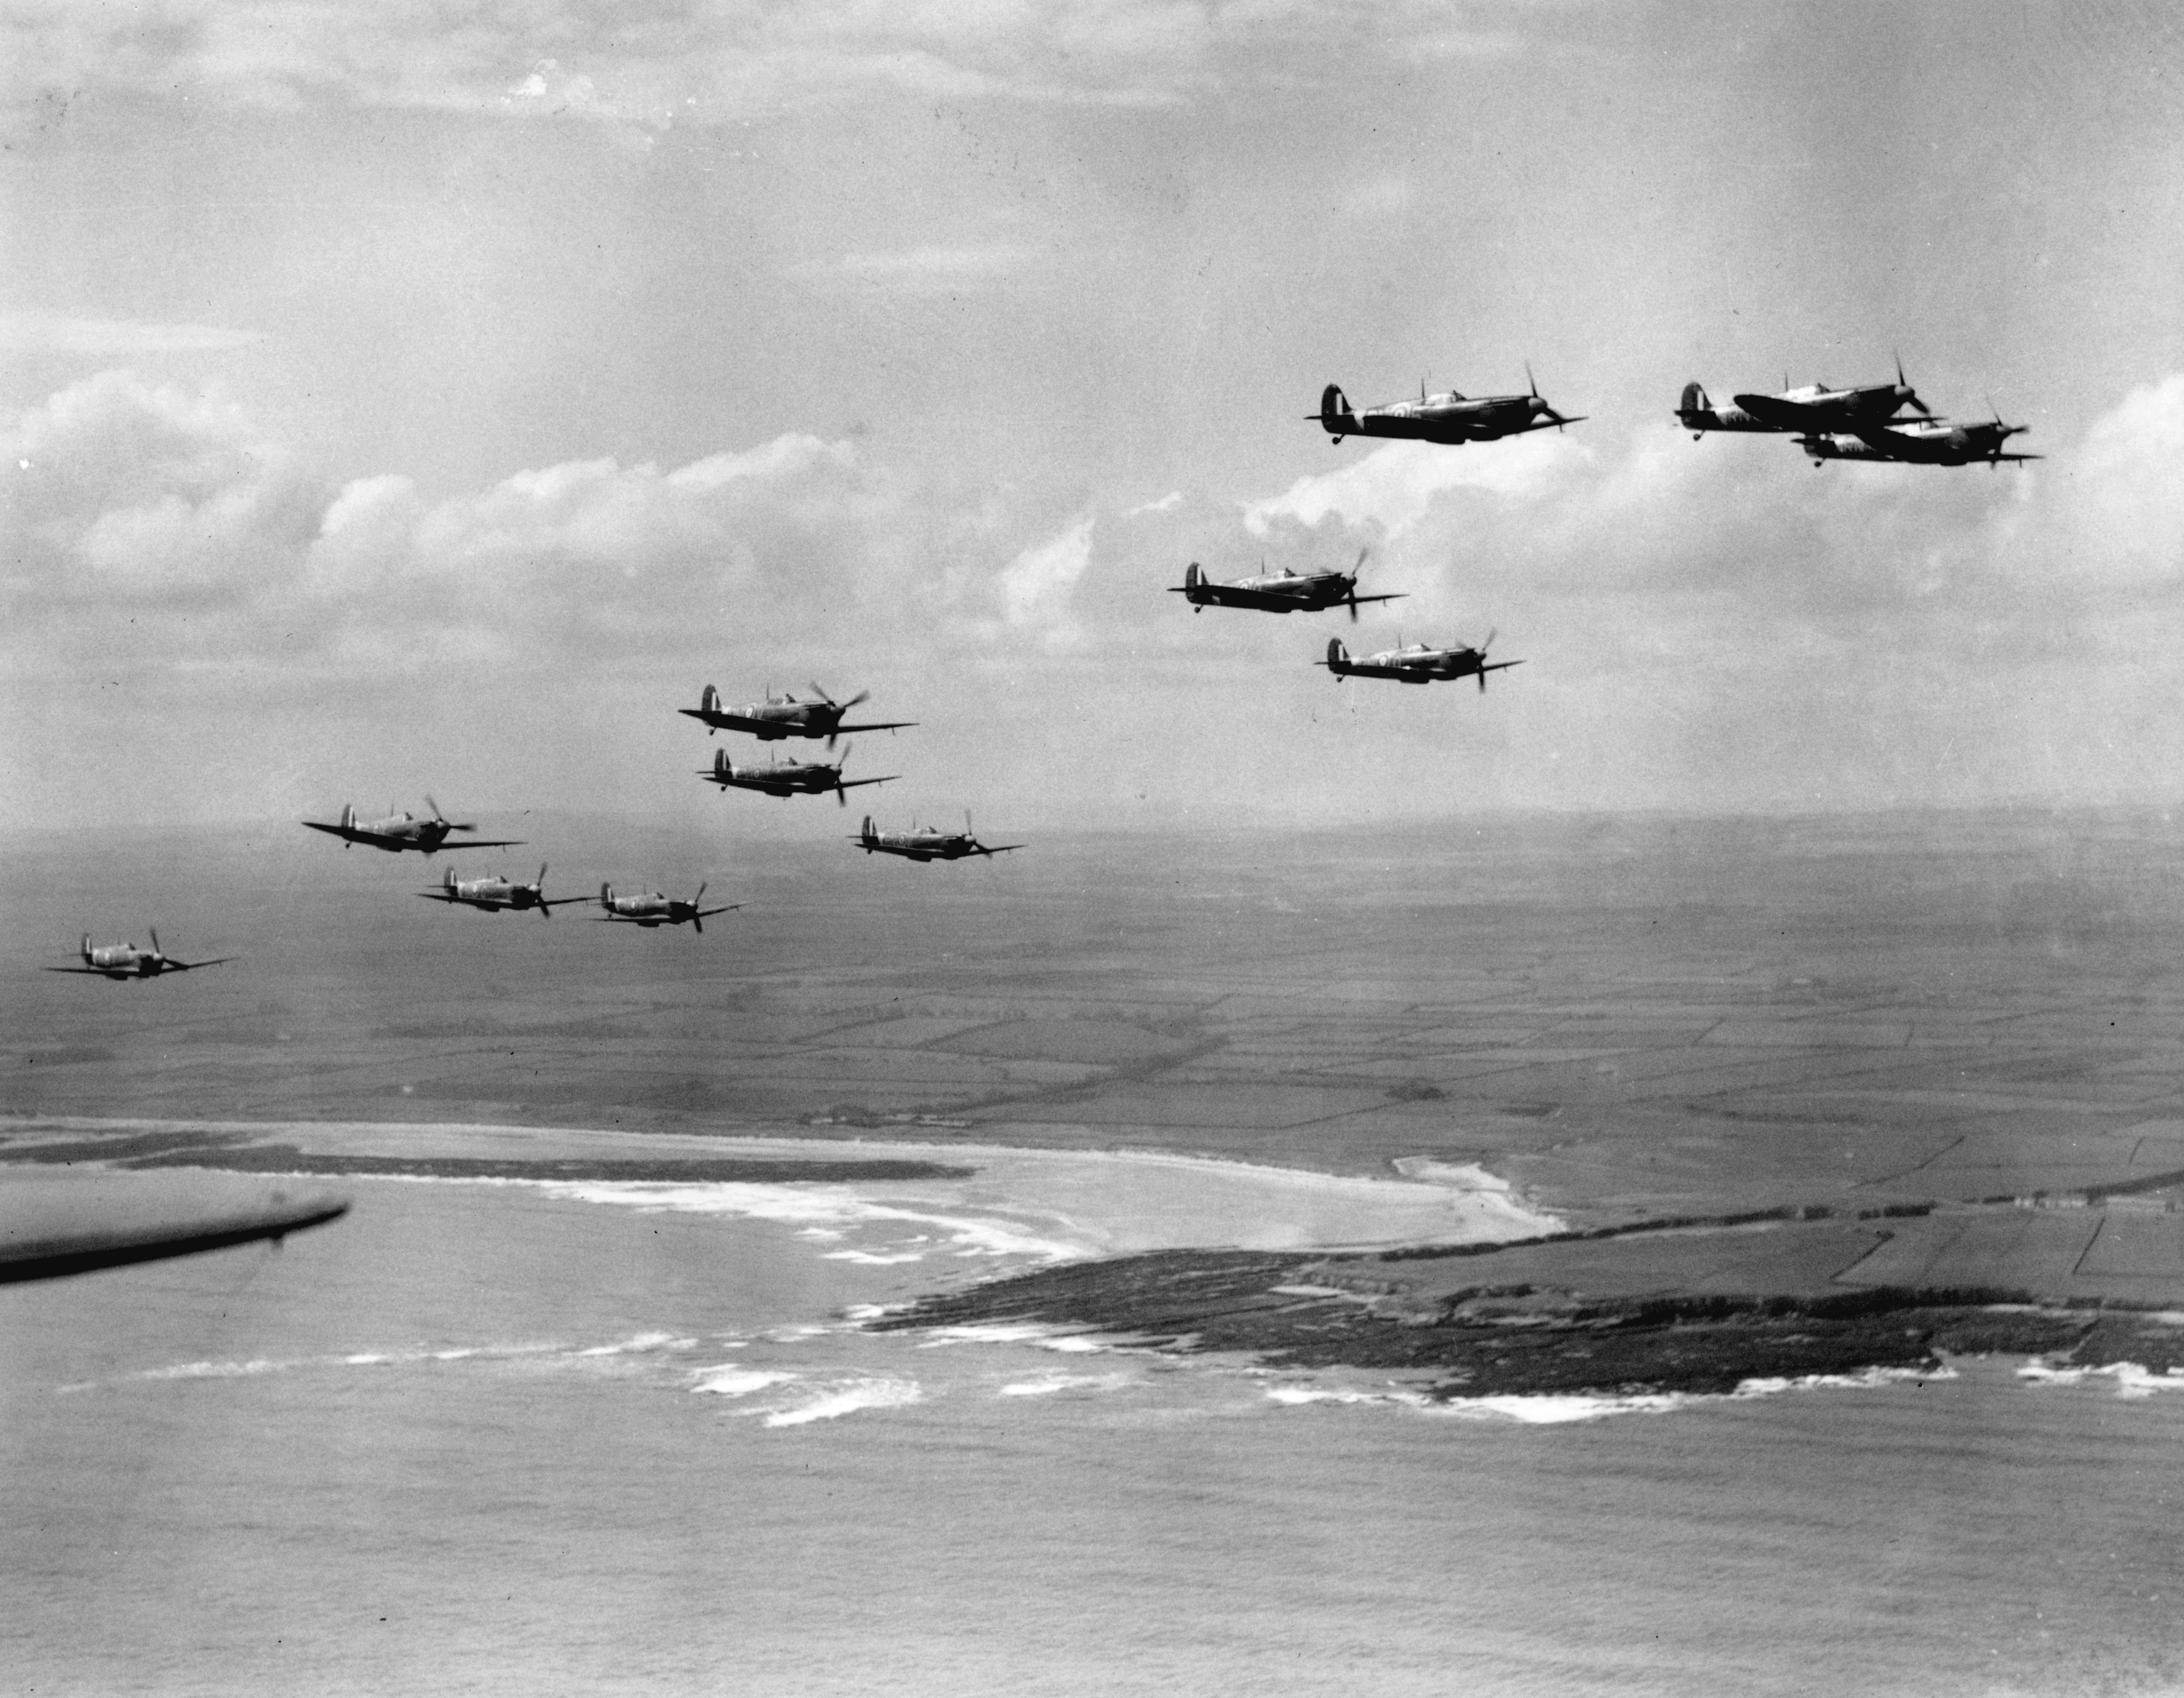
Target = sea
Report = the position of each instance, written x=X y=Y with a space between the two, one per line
x=487 y=1437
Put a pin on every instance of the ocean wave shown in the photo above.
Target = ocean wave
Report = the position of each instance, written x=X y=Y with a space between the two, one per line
x=641 y=1344
x=988 y=1332
x=725 y=1379
x=1770 y=1386
x=846 y=1400
x=2132 y=1379
x=837 y=1208
x=1047 y=1385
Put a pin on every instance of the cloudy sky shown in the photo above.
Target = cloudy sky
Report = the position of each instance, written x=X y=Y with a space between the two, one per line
x=403 y=396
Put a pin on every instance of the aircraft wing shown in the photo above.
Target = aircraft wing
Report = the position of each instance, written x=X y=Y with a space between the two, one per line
x=1393 y=595
x=1777 y=414
x=727 y=908
x=175 y=966
x=998 y=849
x=883 y=725
x=1554 y=423
x=442 y=895
x=348 y=833
x=53 y=1225
x=101 y=972
x=851 y=784
x=487 y=843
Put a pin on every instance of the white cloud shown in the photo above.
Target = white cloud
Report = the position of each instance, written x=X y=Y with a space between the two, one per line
x=1394 y=486
x=1036 y=585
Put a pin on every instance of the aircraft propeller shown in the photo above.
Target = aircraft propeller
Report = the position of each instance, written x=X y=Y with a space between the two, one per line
x=156 y=950
x=1492 y=632
x=839 y=707
x=452 y=825
x=1911 y=395
x=538 y=892
x=697 y=918
x=841 y=796
x=1353 y=571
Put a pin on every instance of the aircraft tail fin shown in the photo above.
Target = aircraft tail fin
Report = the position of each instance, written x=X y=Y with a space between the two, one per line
x=867 y=834
x=720 y=767
x=86 y=947
x=348 y=815
x=1695 y=400
x=1193 y=576
x=606 y=898
x=1334 y=410
x=710 y=702
x=1338 y=657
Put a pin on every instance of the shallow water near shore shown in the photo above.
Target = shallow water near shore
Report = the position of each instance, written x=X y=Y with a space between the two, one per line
x=490 y=1435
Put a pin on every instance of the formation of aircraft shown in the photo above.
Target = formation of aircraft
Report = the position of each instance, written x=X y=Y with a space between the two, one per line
x=927 y=843
x=786 y=779
x=1418 y=663
x=405 y=830
x=1449 y=418
x=494 y=894
x=127 y=961
x=818 y=715
x=1279 y=592
x=1861 y=422
x=654 y=909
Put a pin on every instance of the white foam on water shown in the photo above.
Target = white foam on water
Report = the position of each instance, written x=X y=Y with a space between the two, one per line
x=726 y=1380
x=1048 y=1384
x=1553 y=1408
x=988 y=1332
x=1074 y=1344
x=848 y=1399
x=1770 y=1386
x=869 y=1259
x=1294 y=1395
x=830 y=1207
x=641 y=1344
x=2132 y=1379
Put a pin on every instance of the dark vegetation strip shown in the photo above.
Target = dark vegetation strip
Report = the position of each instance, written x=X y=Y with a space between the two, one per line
x=1229 y=1301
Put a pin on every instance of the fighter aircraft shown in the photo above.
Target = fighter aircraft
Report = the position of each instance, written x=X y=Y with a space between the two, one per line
x=127 y=961
x=494 y=894
x=404 y=830
x=1928 y=442
x=1449 y=418
x=1811 y=407
x=784 y=715
x=1419 y=663
x=656 y=910
x=786 y=779
x=1279 y=592
x=927 y=842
